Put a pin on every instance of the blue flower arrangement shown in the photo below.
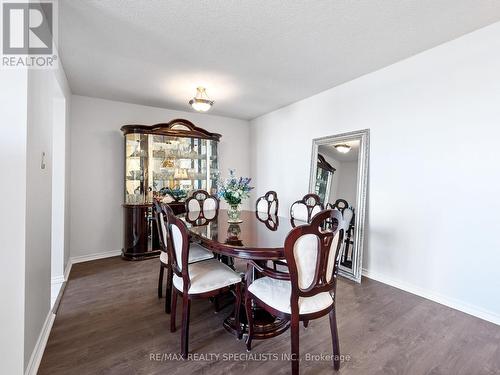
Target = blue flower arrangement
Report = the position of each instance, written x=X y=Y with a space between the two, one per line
x=234 y=189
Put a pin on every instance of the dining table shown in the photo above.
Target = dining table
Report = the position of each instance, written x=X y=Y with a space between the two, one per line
x=259 y=237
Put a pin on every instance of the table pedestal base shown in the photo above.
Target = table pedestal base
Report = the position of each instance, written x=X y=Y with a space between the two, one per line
x=265 y=324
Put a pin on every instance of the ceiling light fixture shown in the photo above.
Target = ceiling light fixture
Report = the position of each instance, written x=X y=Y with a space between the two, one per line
x=201 y=102
x=343 y=148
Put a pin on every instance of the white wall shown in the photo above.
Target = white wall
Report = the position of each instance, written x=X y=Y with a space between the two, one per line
x=433 y=199
x=58 y=237
x=346 y=182
x=27 y=99
x=47 y=96
x=38 y=206
x=97 y=164
x=13 y=127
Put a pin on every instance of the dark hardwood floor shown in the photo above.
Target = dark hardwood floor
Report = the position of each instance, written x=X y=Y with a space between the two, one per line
x=110 y=321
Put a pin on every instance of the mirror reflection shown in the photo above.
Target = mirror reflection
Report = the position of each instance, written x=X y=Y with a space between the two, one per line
x=336 y=182
x=338 y=177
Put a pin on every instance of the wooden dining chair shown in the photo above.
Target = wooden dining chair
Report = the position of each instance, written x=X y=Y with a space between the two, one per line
x=306 y=208
x=340 y=204
x=348 y=216
x=198 y=253
x=307 y=291
x=205 y=279
x=268 y=203
x=201 y=205
x=160 y=211
x=270 y=221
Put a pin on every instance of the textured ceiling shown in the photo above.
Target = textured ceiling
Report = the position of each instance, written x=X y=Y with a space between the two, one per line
x=253 y=56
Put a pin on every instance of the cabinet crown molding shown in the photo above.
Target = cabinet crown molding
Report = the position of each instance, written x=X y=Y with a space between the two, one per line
x=173 y=128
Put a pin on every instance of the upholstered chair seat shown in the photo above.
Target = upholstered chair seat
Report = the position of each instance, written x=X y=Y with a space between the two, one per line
x=197 y=254
x=207 y=276
x=276 y=294
x=164 y=257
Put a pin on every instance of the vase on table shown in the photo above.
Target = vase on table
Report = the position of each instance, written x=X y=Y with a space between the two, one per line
x=234 y=214
x=234 y=190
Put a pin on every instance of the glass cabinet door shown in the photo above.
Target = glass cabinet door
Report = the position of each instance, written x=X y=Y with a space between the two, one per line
x=323 y=182
x=180 y=165
x=214 y=167
x=136 y=166
x=156 y=165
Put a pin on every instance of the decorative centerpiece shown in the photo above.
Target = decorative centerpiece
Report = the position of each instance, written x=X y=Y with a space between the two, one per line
x=172 y=195
x=233 y=233
x=233 y=190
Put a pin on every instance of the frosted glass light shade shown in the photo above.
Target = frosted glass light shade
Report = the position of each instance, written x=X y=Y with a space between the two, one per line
x=343 y=148
x=201 y=102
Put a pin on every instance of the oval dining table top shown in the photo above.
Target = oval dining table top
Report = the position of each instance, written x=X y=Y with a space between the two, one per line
x=259 y=236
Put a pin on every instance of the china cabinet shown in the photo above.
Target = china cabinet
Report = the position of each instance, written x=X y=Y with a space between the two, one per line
x=324 y=176
x=165 y=162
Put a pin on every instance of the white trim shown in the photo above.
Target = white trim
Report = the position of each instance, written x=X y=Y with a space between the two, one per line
x=86 y=258
x=56 y=284
x=55 y=288
x=37 y=354
x=67 y=270
x=57 y=279
x=478 y=312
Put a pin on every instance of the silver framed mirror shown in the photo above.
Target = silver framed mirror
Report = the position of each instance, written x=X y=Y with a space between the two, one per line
x=339 y=175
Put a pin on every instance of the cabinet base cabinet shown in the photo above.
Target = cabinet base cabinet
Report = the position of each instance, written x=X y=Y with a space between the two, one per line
x=140 y=236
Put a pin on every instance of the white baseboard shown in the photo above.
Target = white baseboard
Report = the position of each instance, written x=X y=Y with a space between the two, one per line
x=443 y=300
x=36 y=356
x=56 y=284
x=67 y=270
x=55 y=288
x=86 y=258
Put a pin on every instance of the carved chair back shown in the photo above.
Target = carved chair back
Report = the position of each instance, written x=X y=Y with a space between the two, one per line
x=340 y=204
x=347 y=215
x=161 y=211
x=313 y=254
x=201 y=205
x=268 y=203
x=271 y=221
x=306 y=208
x=179 y=254
x=347 y=212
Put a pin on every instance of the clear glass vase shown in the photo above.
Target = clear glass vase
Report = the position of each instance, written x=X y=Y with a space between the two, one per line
x=234 y=213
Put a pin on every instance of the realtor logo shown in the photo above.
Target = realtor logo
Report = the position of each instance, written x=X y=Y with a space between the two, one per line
x=27 y=34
